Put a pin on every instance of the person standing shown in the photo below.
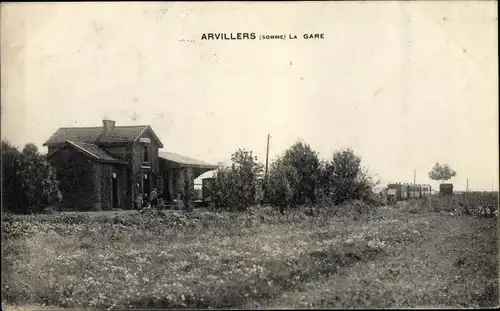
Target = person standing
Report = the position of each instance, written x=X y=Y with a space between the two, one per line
x=154 y=198
x=161 y=204
x=145 y=203
x=138 y=202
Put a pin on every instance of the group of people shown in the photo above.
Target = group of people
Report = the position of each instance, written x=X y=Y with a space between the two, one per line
x=143 y=201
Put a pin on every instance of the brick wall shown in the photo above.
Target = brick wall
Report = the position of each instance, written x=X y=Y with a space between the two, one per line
x=136 y=156
x=87 y=184
x=105 y=179
x=75 y=173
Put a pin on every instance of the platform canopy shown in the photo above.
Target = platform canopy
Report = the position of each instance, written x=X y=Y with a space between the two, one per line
x=169 y=160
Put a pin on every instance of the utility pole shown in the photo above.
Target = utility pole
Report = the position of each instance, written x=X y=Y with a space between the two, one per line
x=265 y=176
x=467 y=185
x=267 y=154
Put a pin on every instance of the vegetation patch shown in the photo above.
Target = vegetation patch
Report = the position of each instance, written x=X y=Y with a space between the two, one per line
x=214 y=260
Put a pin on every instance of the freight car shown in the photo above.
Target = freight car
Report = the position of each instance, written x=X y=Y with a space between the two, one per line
x=205 y=189
x=404 y=191
x=446 y=189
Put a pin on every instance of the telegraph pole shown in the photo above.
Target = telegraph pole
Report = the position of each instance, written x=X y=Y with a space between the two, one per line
x=267 y=154
x=467 y=185
x=264 y=200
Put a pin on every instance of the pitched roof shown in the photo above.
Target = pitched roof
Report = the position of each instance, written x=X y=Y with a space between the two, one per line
x=185 y=161
x=119 y=134
x=91 y=150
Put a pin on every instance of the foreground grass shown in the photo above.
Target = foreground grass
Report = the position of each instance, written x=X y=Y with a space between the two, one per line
x=252 y=261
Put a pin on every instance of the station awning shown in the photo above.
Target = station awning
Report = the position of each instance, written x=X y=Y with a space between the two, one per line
x=174 y=160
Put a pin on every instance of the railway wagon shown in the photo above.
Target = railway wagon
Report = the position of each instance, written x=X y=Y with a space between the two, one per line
x=405 y=191
x=205 y=189
x=446 y=189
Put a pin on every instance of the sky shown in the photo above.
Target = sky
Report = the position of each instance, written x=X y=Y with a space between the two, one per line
x=405 y=85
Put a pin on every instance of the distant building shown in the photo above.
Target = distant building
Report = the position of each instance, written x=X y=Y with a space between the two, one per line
x=446 y=189
x=402 y=191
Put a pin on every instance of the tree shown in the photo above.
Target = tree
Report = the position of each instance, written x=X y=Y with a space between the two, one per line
x=344 y=178
x=220 y=188
x=30 y=180
x=441 y=172
x=280 y=184
x=305 y=163
x=10 y=184
x=236 y=187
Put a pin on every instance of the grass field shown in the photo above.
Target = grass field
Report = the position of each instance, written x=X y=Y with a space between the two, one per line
x=393 y=257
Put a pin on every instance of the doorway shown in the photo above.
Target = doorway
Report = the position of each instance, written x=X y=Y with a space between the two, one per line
x=146 y=183
x=114 y=192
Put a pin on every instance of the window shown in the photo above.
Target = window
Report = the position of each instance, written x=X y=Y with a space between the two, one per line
x=145 y=153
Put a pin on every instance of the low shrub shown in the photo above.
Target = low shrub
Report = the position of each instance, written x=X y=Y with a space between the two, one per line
x=237 y=187
x=246 y=259
x=479 y=204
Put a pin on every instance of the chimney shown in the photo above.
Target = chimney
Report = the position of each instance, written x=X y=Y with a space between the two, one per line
x=108 y=126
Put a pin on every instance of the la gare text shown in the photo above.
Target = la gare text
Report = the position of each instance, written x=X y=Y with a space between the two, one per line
x=254 y=36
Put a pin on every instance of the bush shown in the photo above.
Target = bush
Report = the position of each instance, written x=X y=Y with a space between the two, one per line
x=325 y=198
x=344 y=178
x=294 y=178
x=297 y=177
x=11 y=158
x=280 y=183
x=353 y=209
x=221 y=188
x=479 y=204
x=236 y=187
x=303 y=172
x=376 y=200
x=29 y=180
x=482 y=204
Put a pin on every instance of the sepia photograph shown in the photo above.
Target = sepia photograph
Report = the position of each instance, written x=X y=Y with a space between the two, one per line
x=249 y=155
